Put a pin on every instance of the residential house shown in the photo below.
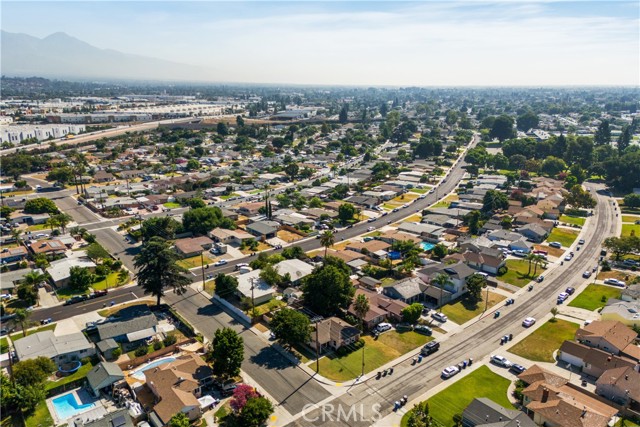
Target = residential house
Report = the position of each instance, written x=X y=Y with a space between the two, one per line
x=369 y=282
x=374 y=248
x=294 y=269
x=621 y=385
x=295 y=219
x=363 y=201
x=407 y=290
x=59 y=348
x=251 y=286
x=60 y=270
x=392 y=236
x=117 y=418
x=236 y=237
x=106 y=348
x=9 y=255
x=608 y=335
x=11 y=279
x=103 y=176
x=263 y=229
x=484 y=412
x=346 y=255
x=132 y=325
x=510 y=236
x=50 y=248
x=484 y=259
x=430 y=233
x=103 y=376
x=457 y=273
x=533 y=232
x=625 y=312
x=333 y=333
x=177 y=386
x=590 y=361
x=631 y=293
x=250 y=208
x=380 y=308
x=192 y=246
x=552 y=401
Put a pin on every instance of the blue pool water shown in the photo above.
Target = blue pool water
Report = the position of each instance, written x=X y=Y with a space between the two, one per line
x=139 y=373
x=67 y=406
x=426 y=246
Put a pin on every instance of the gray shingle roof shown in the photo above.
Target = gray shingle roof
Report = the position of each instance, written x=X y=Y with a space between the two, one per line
x=116 y=327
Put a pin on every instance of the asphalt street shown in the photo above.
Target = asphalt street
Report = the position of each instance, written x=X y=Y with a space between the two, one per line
x=477 y=340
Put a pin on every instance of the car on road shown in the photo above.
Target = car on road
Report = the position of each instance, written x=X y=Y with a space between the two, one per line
x=395 y=210
x=570 y=290
x=429 y=348
x=500 y=360
x=239 y=266
x=615 y=282
x=568 y=257
x=581 y=242
x=423 y=329
x=540 y=278
x=562 y=297
x=529 y=321
x=556 y=245
x=586 y=274
x=371 y=228
x=46 y=321
x=450 y=371
x=221 y=262
x=382 y=327
x=440 y=317
x=371 y=219
x=517 y=369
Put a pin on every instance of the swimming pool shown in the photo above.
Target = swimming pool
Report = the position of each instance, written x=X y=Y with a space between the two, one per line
x=67 y=406
x=426 y=246
x=139 y=373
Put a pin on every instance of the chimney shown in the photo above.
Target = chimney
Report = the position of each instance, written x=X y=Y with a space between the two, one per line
x=545 y=394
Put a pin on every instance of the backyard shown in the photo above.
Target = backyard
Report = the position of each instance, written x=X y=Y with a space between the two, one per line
x=517 y=270
x=627 y=229
x=390 y=345
x=80 y=373
x=595 y=296
x=455 y=398
x=540 y=345
x=465 y=309
x=171 y=205
x=574 y=220
x=4 y=345
x=564 y=236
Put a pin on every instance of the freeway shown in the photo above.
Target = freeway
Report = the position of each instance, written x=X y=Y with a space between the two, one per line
x=477 y=340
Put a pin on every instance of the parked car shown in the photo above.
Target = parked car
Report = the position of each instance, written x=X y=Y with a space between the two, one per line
x=371 y=228
x=221 y=262
x=382 y=327
x=500 y=360
x=615 y=282
x=556 y=245
x=517 y=369
x=450 y=371
x=46 y=321
x=568 y=257
x=440 y=317
x=529 y=321
x=423 y=329
x=562 y=297
x=581 y=242
x=226 y=388
x=239 y=266
x=430 y=347
x=570 y=290
x=540 y=278
x=586 y=274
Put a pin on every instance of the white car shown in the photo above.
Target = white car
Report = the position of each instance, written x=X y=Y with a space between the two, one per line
x=371 y=228
x=382 y=327
x=440 y=317
x=221 y=262
x=586 y=274
x=568 y=258
x=501 y=361
x=529 y=321
x=562 y=297
x=450 y=371
x=615 y=282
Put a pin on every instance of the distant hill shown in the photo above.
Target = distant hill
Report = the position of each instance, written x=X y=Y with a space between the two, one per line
x=62 y=56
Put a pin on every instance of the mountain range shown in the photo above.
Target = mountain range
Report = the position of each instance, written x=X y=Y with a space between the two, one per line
x=62 y=56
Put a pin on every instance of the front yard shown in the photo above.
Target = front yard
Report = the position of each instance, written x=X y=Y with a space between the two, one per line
x=595 y=296
x=564 y=236
x=517 y=270
x=574 y=220
x=454 y=399
x=390 y=345
x=627 y=229
x=195 y=261
x=464 y=309
x=540 y=345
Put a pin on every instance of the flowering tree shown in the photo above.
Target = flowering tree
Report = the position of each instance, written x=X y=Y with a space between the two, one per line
x=241 y=394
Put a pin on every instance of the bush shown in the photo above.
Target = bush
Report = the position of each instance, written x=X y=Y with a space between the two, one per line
x=85 y=360
x=157 y=345
x=606 y=266
x=117 y=352
x=141 y=351
x=169 y=340
x=502 y=270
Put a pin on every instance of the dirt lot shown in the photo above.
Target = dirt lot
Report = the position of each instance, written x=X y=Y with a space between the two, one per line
x=552 y=251
x=288 y=236
x=615 y=274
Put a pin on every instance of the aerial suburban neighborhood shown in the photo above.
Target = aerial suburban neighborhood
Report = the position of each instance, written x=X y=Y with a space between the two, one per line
x=181 y=252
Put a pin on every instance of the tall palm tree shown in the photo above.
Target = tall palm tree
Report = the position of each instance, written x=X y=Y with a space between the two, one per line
x=327 y=240
x=34 y=278
x=63 y=220
x=530 y=257
x=52 y=223
x=361 y=307
x=16 y=234
x=537 y=260
x=441 y=280
x=22 y=317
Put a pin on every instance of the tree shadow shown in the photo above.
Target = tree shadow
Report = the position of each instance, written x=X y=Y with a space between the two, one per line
x=269 y=358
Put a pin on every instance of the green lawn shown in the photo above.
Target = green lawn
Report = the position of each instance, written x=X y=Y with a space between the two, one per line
x=111 y=280
x=387 y=281
x=4 y=345
x=628 y=228
x=419 y=190
x=452 y=400
x=194 y=261
x=464 y=309
x=630 y=218
x=171 y=205
x=562 y=235
x=66 y=293
x=210 y=287
x=267 y=307
x=40 y=417
x=229 y=196
x=441 y=204
x=517 y=272
x=18 y=335
x=80 y=373
x=540 y=345
x=591 y=297
x=387 y=347
x=575 y=220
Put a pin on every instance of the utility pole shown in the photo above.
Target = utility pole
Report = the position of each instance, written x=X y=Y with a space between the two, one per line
x=317 y=349
x=486 y=303
x=253 y=304
x=202 y=267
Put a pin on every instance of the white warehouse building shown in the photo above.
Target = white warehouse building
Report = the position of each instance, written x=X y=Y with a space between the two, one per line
x=18 y=133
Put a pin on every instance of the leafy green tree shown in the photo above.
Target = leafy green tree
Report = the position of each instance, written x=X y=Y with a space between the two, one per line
x=34 y=278
x=441 y=281
x=193 y=165
x=411 y=314
x=162 y=226
x=222 y=129
x=292 y=170
x=494 y=200
x=621 y=246
x=33 y=371
x=603 y=134
x=226 y=353
x=475 y=283
x=344 y=115
x=226 y=286
x=80 y=278
x=528 y=120
x=632 y=200
x=30 y=396
x=291 y=326
x=96 y=252
x=502 y=128
x=158 y=269
x=27 y=293
x=202 y=220
x=361 y=308
x=270 y=275
x=346 y=212
x=624 y=140
x=63 y=175
x=552 y=166
x=256 y=412
x=328 y=289
x=40 y=205
x=419 y=416
x=472 y=220
x=439 y=251
x=179 y=420
x=580 y=198
x=293 y=252
x=22 y=318
x=315 y=202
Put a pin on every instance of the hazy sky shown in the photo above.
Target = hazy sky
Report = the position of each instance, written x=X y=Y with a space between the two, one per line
x=365 y=43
